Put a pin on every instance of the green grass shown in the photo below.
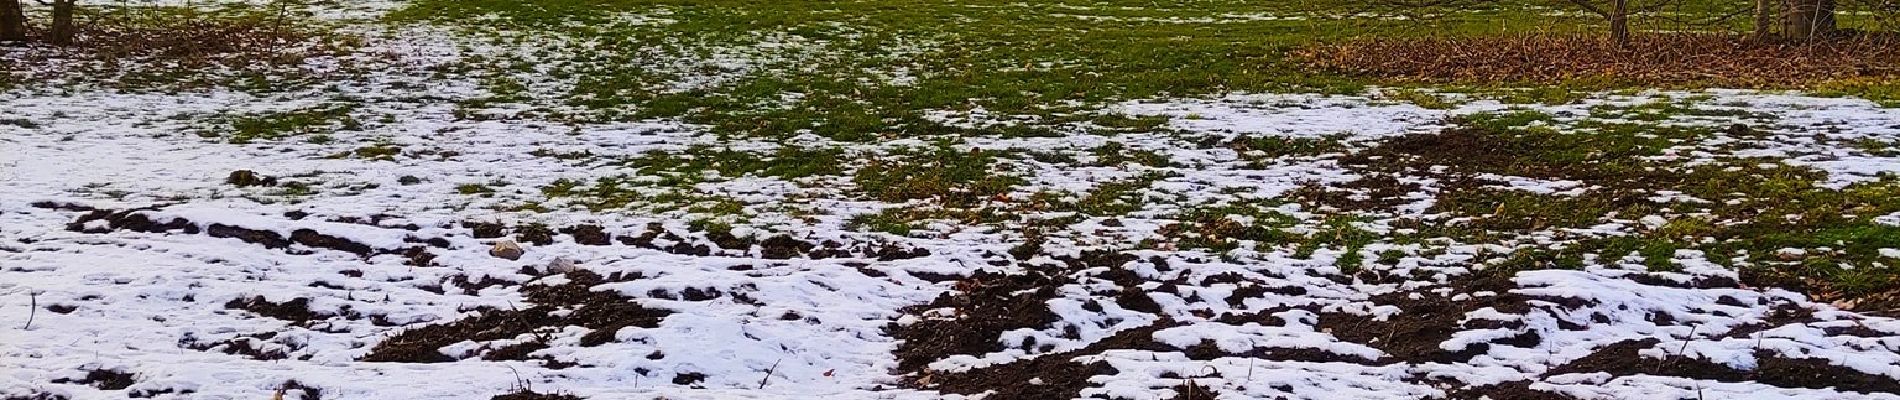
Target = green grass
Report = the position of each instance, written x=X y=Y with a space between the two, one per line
x=805 y=80
x=1749 y=208
x=942 y=173
x=1115 y=154
x=871 y=70
x=316 y=120
x=694 y=163
x=1224 y=228
x=838 y=59
x=1267 y=149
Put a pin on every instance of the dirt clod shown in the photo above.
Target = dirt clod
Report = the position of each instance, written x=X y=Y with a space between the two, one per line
x=104 y=379
x=525 y=394
x=605 y=312
x=248 y=178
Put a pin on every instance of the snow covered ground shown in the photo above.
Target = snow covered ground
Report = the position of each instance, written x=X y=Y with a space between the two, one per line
x=136 y=260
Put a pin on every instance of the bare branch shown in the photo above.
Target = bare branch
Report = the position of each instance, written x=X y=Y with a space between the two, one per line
x=1585 y=4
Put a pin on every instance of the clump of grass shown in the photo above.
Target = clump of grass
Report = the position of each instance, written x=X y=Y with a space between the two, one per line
x=605 y=193
x=1116 y=153
x=888 y=221
x=1267 y=149
x=1421 y=98
x=1117 y=197
x=1665 y=110
x=475 y=189
x=377 y=151
x=247 y=128
x=1008 y=58
x=1224 y=228
x=1546 y=95
x=1743 y=211
x=949 y=175
x=694 y=164
x=1877 y=147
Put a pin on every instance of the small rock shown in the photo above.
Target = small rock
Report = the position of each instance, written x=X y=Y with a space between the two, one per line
x=561 y=265
x=507 y=249
x=407 y=180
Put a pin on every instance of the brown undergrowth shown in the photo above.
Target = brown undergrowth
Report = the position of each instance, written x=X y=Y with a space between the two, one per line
x=171 y=49
x=1655 y=59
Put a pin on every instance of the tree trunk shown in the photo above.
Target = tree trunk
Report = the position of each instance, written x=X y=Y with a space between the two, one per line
x=1764 y=19
x=1808 y=19
x=62 y=32
x=12 y=21
x=1620 y=23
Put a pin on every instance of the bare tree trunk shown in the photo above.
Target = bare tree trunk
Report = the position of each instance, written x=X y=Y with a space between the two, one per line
x=12 y=21
x=1620 y=23
x=1764 y=18
x=62 y=32
x=1807 y=19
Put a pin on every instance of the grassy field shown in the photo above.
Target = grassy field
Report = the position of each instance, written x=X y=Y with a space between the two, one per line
x=911 y=199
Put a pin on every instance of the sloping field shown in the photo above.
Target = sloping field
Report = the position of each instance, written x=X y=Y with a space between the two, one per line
x=888 y=200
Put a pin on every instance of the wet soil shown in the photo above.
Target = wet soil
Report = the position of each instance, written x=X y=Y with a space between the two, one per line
x=103 y=379
x=605 y=312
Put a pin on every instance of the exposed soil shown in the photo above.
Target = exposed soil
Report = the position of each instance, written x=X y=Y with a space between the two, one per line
x=1192 y=391
x=104 y=379
x=485 y=230
x=535 y=233
x=688 y=378
x=1623 y=358
x=1207 y=350
x=987 y=304
x=150 y=393
x=135 y=220
x=589 y=235
x=783 y=247
x=303 y=392
x=778 y=247
x=245 y=345
x=1467 y=150
x=248 y=178
x=525 y=394
x=36 y=396
x=1513 y=390
x=295 y=311
x=1062 y=378
x=1414 y=334
x=606 y=312
x=993 y=303
x=1376 y=192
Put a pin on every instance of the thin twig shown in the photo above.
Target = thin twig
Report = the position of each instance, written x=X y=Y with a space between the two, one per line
x=1685 y=341
x=34 y=311
x=526 y=386
x=768 y=373
x=1250 y=348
